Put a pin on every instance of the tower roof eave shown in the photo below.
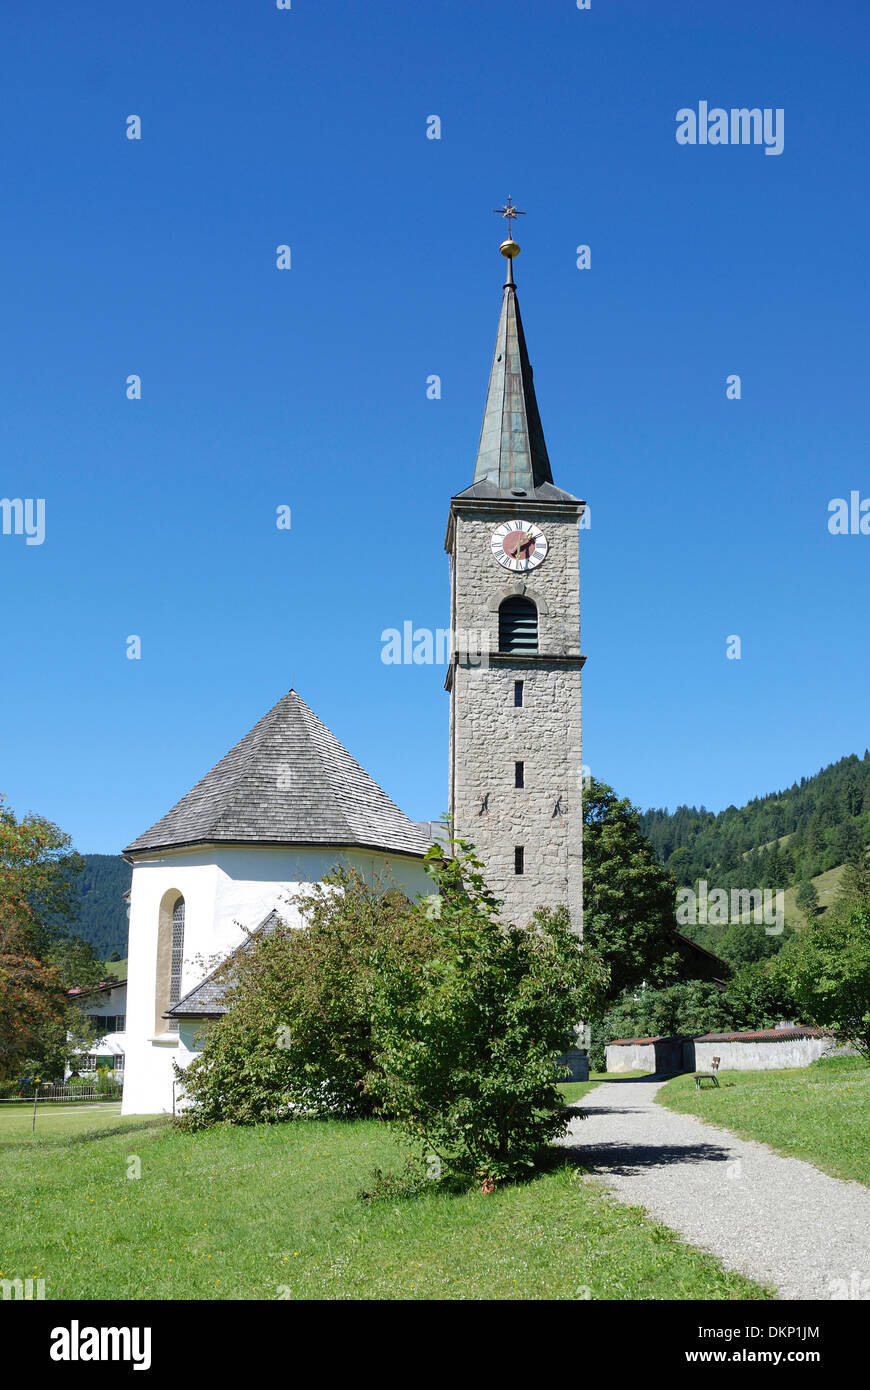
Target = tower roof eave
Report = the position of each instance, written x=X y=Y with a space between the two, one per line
x=486 y=491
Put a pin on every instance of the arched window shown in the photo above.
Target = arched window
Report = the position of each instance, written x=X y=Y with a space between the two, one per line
x=170 y=956
x=177 y=958
x=517 y=625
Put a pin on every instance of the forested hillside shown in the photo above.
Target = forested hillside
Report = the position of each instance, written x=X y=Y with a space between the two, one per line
x=102 y=917
x=774 y=841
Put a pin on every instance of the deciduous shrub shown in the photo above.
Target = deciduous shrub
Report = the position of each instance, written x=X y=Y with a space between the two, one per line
x=298 y=1032
x=827 y=968
x=466 y=1032
x=431 y=1015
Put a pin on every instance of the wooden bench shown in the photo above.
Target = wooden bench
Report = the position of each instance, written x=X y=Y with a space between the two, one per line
x=707 y=1075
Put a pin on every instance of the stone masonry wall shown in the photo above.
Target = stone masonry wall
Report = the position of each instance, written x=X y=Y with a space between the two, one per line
x=490 y=734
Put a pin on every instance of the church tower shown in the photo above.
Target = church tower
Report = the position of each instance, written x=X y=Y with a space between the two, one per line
x=515 y=746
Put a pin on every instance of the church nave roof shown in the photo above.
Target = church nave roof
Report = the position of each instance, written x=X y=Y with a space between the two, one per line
x=287 y=782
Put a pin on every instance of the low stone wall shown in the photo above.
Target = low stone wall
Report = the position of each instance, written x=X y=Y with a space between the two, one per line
x=768 y=1050
x=761 y=1056
x=631 y=1056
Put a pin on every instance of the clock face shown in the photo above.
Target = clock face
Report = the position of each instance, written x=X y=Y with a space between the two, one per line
x=518 y=546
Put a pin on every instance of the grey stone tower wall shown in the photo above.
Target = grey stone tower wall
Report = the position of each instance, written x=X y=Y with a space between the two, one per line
x=488 y=734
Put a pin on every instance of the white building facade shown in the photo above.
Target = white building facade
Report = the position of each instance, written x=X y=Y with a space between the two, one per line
x=285 y=806
x=105 y=1005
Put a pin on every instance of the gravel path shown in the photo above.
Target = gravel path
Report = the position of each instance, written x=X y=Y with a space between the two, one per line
x=777 y=1220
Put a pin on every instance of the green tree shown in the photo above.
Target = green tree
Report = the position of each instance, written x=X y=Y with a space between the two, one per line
x=846 y=842
x=466 y=1038
x=37 y=897
x=759 y=997
x=629 y=899
x=742 y=943
x=827 y=969
x=32 y=1000
x=807 y=899
x=681 y=866
x=854 y=886
x=38 y=871
x=77 y=966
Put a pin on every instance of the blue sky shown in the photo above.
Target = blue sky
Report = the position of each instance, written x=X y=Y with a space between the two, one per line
x=307 y=387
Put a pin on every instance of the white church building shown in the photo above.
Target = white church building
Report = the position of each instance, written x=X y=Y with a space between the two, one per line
x=280 y=810
x=288 y=801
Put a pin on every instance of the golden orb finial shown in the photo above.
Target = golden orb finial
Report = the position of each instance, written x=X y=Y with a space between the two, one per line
x=509 y=248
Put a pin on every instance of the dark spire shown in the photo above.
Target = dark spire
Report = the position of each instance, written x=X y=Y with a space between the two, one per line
x=511 y=456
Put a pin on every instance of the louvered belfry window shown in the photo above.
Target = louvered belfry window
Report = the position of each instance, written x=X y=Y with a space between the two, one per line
x=177 y=957
x=517 y=625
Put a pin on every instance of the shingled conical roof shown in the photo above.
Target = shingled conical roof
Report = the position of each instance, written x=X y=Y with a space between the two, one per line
x=288 y=782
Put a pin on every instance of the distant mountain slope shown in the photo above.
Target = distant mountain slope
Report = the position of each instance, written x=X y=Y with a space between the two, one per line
x=102 y=917
x=826 y=886
x=774 y=841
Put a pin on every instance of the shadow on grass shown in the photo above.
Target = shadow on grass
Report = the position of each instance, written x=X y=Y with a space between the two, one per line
x=67 y=1141
x=411 y=1183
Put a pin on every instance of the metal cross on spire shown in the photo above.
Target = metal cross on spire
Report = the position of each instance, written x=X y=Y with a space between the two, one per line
x=510 y=212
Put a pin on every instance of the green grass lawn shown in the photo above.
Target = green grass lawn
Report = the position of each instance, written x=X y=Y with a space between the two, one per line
x=58 y=1120
x=820 y=1113
x=272 y=1212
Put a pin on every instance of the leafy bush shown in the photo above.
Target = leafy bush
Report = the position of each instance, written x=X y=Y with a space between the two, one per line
x=78 y=1082
x=107 y=1083
x=827 y=968
x=297 y=1036
x=759 y=997
x=466 y=1032
x=431 y=1015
